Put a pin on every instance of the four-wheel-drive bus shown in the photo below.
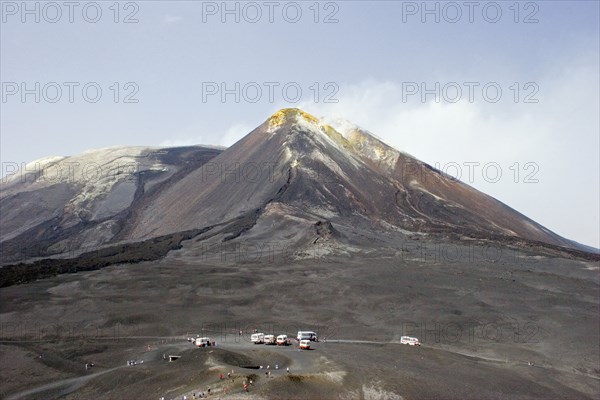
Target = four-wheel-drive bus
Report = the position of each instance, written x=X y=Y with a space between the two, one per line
x=282 y=340
x=305 y=344
x=412 y=341
x=257 y=338
x=307 y=335
x=202 y=342
x=270 y=339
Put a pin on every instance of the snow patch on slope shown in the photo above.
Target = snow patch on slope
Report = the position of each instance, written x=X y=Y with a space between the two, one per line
x=95 y=173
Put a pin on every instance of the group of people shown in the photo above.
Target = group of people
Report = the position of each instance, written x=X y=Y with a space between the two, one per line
x=246 y=384
x=199 y=395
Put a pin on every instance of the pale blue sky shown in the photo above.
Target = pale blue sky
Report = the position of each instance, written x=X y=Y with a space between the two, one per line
x=368 y=54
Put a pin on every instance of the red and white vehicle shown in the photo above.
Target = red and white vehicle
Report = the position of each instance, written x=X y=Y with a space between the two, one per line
x=305 y=344
x=282 y=340
x=411 y=341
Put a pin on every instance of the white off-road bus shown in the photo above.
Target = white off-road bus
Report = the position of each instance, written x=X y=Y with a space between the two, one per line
x=270 y=339
x=307 y=335
x=411 y=341
x=202 y=342
x=257 y=338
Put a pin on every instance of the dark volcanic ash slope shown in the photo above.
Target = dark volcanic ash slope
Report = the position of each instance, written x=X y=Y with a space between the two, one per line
x=295 y=164
x=439 y=201
x=65 y=204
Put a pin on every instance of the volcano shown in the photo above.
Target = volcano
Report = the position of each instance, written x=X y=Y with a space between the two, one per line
x=297 y=163
x=289 y=177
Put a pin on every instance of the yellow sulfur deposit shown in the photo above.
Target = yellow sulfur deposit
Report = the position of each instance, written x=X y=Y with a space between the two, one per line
x=283 y=115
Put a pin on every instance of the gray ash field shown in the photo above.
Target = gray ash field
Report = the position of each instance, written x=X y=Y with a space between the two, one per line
x=481 y=323
x=340 y=238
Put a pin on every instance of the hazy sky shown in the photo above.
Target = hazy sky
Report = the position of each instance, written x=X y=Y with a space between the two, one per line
x=517 y=113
